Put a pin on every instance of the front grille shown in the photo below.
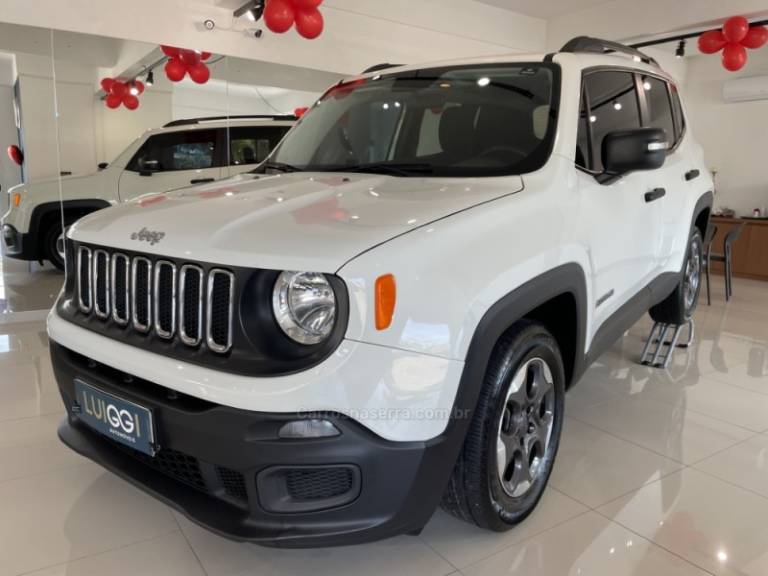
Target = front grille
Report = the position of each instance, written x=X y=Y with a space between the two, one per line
x=318 y=484
x=157 y=297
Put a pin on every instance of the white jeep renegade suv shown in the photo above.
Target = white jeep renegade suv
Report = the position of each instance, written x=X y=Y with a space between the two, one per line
x=181 y=153
x=387 y=314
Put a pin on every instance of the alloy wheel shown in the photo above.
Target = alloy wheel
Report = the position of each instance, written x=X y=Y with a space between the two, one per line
x=692 y=274
x=525 y=429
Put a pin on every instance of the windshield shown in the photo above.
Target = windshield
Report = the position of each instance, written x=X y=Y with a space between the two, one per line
x=480 y=120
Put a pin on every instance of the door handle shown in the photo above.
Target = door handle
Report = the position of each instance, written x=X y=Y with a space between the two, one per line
x=655 y=194
x=692 y=175
x=202 y=180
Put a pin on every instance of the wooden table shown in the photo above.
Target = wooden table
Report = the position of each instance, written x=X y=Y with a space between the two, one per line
x=750 y=252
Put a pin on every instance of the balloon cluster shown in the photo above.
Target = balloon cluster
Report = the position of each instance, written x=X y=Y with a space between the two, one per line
x=125 y=93
x=281 y=15
x=182 y=62
x=734 y=39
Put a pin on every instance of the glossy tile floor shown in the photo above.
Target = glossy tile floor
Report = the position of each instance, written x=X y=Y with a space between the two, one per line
x=659 y=472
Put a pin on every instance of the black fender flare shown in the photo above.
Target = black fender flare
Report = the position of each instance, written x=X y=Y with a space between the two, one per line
x=43 y=211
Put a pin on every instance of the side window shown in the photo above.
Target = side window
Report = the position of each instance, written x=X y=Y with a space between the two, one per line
x=659 y=106
x=183 y=150
x=252 y=144
x=583 y=152
x=678 y=108
x=613 y=105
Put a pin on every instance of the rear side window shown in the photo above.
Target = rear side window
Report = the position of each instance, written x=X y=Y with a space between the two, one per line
x=252 y=144
x=613 y=105
x=659 y=106
x=173 y=151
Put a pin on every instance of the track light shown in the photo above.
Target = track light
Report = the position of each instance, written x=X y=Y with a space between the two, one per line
x=253 y=10
x=150 y=78
x=680 y=52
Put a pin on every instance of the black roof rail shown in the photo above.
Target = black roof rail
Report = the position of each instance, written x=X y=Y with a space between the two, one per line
x=600 y=46
x=380 y=67
x=193 y=121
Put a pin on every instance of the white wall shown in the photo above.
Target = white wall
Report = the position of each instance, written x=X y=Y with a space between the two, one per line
x=10 y=174
x=734 y=135
x=358 y=32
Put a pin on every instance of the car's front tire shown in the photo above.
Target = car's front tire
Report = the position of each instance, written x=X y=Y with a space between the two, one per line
x=679 y=306
x=513 y=438
x=53 y=244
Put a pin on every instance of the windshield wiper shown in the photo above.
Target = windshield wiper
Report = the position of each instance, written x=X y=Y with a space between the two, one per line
x=278 y=166
x=389 y=168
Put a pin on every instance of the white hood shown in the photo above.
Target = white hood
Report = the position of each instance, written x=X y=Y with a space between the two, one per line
x=301 y=221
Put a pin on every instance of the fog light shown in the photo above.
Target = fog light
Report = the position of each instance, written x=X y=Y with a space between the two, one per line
x=308 y=429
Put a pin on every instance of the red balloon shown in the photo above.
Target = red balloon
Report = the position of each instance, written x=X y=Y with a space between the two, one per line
x=299 y=112
x=199 y=73
x=139 y=86
x=131 y=102
x=189 y=58
x=712 y=41
x=175 y=70
x=15 y=154
x=735 y=28
x=306 y=5
x=309 y=24
x=734 y=56
x=279 y=16
x=114 y=101
x=205 y=55
x=170 y=51
x=756 y=37
x=119 y=89
x=106 y=84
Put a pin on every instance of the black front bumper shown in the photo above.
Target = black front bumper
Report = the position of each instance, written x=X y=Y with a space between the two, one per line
x=18 y=245
x=223 y=468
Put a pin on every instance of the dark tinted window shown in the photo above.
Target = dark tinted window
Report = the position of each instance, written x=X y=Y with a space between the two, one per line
x=679 y=117
x=185 y=150
x=613 y=105
x=252 y=144
x=659 y=106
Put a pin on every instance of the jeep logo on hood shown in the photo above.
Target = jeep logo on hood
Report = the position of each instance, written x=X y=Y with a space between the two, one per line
x=150 y=236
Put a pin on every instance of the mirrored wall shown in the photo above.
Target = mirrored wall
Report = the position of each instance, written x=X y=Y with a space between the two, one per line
x=98 y=121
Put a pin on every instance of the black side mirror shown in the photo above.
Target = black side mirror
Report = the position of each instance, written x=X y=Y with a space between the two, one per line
x=103 y=165
x=627 y=151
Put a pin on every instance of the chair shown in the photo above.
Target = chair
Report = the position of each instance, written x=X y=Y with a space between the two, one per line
x=726 y=257
x=708 y=238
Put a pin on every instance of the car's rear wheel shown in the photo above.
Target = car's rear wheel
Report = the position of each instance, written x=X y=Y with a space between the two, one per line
x=511 y=445
x=679 y=306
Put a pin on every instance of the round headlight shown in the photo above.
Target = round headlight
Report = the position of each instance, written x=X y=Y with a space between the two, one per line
x=305 y=306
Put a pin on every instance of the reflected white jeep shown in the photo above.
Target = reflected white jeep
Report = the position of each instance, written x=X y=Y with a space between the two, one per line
x=387 y=315
x=181 y=153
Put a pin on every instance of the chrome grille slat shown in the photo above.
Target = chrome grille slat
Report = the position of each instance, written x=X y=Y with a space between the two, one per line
x=169 y=300
x=214 y=321
x=121 y=275
x=189 y=288
x=164 y=309
x=141 y=308
x=101 y=292
x=84 y=293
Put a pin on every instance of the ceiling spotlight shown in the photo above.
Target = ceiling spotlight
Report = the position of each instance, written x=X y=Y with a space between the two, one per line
x=617 y=106
x=482 y=82
x=150 y=78
x=680 y=52
x=647 y=85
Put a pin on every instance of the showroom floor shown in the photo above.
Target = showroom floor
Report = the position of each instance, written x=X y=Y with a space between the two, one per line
x=659 y=472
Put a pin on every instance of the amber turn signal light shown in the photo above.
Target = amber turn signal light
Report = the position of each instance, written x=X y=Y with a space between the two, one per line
x=386 y=297
x=16 y=199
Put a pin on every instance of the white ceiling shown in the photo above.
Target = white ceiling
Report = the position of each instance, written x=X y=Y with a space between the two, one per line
x=543 y=8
